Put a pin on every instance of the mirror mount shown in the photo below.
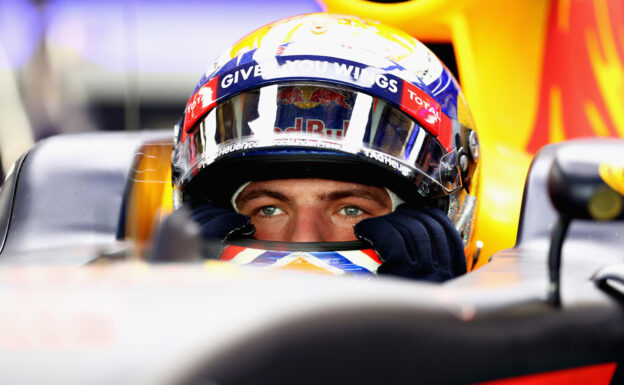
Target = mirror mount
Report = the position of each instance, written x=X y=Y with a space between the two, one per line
x=554 y=259
x=584 y=183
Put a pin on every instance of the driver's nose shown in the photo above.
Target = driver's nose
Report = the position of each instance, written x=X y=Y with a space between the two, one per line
x=309 y=225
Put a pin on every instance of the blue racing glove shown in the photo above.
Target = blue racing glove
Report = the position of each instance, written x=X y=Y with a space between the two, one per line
x=419 y=243
x=219 y=224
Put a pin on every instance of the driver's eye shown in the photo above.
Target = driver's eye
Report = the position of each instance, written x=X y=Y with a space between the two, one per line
x=270 y=210
x=351 y=211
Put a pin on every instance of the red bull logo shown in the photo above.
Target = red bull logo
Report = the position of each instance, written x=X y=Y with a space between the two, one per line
x=325 y=96
x=310 y=97
x=291 y=95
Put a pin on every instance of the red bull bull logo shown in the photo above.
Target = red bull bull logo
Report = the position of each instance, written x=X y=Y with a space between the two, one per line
x=325 y=96
x=310 y=97
x=291 y=95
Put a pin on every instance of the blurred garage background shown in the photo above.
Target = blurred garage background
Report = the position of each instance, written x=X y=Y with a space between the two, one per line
x=72 y=65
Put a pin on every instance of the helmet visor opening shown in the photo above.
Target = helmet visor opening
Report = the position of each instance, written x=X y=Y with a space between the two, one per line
x=324 y=117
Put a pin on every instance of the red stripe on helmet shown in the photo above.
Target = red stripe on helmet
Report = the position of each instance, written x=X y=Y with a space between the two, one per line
x=201 y=102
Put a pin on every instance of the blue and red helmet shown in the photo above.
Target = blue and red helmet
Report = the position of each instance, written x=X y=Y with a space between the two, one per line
x=335 y=97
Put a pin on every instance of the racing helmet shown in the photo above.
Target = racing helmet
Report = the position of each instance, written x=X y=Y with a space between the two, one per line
x=335 y=97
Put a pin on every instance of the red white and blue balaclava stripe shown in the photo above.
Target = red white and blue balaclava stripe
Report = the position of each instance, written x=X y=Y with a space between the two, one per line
x=323 y=262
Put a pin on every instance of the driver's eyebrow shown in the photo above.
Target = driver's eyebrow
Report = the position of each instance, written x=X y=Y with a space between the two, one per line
x=254 y=193
x=354 y=192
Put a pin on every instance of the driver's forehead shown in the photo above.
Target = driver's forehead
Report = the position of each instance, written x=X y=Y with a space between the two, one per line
x=315 y=187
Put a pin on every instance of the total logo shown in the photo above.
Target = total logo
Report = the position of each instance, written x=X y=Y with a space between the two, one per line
x=201 y=102
x=419 y=104
x=206 y=96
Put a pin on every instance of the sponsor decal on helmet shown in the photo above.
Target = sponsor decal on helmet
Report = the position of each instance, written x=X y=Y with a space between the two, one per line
x=419 y=104
x=315 y=126
x=242 y=75
x=325 y=96
x=388 y=161
x=310 y=97
x=201 y=102
x=238 y=146
x=304 y=67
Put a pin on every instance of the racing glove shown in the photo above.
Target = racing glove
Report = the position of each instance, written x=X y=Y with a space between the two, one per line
x=198 y=231
x=217 y=225
x=419 y=243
